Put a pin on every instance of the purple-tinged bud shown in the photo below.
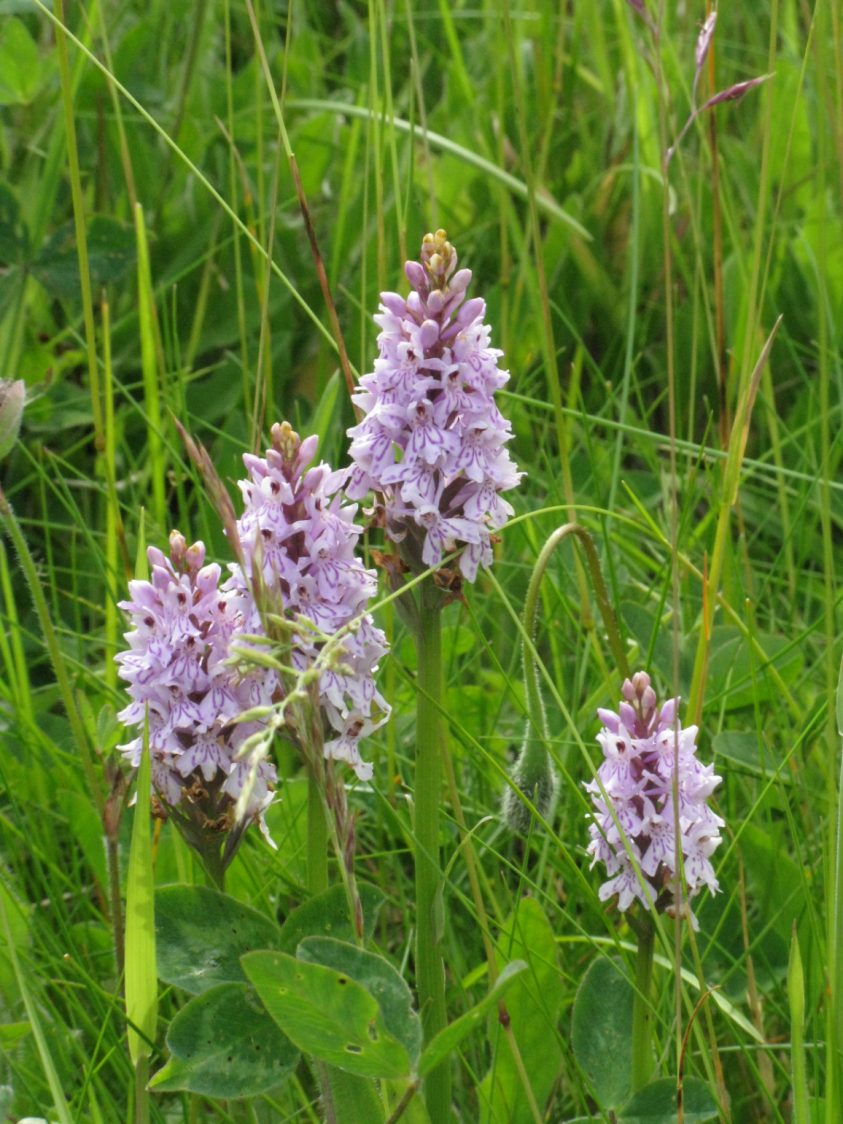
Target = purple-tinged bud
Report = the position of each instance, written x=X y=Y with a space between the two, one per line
x=460 y=281
x=470 y=311
x=648 y=703
x=194 y=557
x=704 y=40
x=429 y=334
x=416 y=307
x=178 y=549
x=734 y=93
x=609 y=719
x=628 y=715
x=394 y=303
x=436 y=301
x=12 y=400
x=416 y=275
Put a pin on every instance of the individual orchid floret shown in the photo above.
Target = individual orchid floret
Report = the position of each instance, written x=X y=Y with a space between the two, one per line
x=649 y=765
x=178 y=674
x=298 y=541
x=432 y=441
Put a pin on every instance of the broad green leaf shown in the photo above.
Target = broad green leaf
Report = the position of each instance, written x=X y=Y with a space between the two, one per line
x=111 y=255
x=12 y=1033
x=326 y=915
x=656 y=1103
x=750 y=752
x=21 y=69
x=202 y=934
x=224 y=1044
x=534 y=1003
x=141 y=985
x=86 y=826
x=780 y=891
x=732 y=660
x=354 y=1100
x=447 y=1040
x=379 y=978
x=602 y=1031
x=779 y=884
x=327 y=1014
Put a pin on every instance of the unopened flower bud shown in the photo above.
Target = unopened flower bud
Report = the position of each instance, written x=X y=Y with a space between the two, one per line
x=178 y=548
x=12 y=400
x=534 y=776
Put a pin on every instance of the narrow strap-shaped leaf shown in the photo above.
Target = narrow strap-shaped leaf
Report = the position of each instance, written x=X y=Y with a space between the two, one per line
x=141 y=983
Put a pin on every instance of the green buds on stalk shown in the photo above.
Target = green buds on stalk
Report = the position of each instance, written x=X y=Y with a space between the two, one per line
x=533 y=778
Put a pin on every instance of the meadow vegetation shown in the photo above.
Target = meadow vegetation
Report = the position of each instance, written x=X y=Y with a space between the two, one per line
x=672 y=331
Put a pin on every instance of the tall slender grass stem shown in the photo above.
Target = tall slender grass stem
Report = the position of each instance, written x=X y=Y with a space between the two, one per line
x=79 y=223
x=796 y=1003
x=149 y=364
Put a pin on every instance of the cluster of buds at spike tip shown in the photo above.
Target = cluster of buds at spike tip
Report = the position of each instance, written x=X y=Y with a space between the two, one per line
x=178 y=675
x=649 y=784
x=432 y=442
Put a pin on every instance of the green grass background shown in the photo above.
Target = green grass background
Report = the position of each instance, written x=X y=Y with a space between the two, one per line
x=632 y=311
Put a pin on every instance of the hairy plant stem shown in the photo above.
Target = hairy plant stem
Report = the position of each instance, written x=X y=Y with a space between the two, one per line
x=430 y=972
x=642 y=1007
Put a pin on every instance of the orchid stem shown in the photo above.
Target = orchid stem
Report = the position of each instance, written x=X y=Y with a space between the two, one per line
x=430 y=973
x=642 y=1006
